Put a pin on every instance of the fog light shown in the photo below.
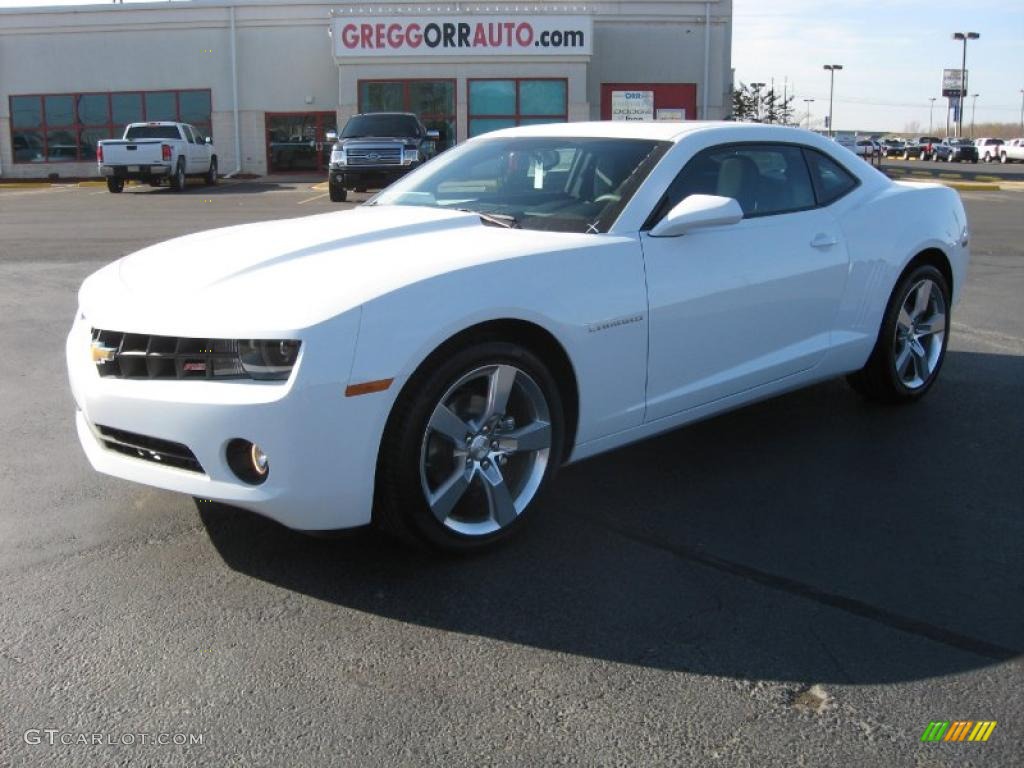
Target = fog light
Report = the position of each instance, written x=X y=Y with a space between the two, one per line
x=260 y=462
x=248 y=461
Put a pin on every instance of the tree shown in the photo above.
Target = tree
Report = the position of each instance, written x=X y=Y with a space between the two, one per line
x=745 y=103
x=775 y=109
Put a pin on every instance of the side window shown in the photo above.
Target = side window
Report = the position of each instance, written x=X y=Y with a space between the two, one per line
x=188 y=134
x=765 y=179
x=831 y=180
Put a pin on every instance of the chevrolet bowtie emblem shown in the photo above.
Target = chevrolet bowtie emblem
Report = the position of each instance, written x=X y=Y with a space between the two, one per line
x=102 y=353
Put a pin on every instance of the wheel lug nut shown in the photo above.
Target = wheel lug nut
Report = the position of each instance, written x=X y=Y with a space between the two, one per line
x=485 y=430
x=485 y=463
x=494 y=445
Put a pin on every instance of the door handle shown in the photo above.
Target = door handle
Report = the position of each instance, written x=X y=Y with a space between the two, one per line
x=823 y=241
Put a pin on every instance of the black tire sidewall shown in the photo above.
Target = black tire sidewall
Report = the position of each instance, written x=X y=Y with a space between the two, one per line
x=400 y=453
x=884 y=356
x=337 y=193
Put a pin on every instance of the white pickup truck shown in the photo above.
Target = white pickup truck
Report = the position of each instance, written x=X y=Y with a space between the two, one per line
x=1012 y=151
x=151 y=152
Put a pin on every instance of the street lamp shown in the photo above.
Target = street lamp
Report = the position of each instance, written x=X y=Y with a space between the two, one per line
x=974 y=106
x=1022 y=110
x=757 y=87
x=931 y=110
x=964 y=36
x=808 y=102
x=831 y=92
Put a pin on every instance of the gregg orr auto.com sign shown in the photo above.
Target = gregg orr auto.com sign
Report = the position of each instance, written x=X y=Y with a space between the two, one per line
x=356 y=37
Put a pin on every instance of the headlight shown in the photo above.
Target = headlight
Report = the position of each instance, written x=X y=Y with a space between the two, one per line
x=410 y=156
x=338 y=156
x=268 y=359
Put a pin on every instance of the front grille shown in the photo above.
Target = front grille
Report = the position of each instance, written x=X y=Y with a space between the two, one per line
x=373 y=156
x=152 y=449
x=142 y=356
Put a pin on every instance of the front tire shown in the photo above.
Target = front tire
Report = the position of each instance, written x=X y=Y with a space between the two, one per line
x=115 y=186
x=211 y=175
x=337 y=192
x=911 y=344
x=470 y=443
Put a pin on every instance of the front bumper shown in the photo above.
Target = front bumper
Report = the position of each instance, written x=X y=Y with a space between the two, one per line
x=369 y=176
x=322 y=445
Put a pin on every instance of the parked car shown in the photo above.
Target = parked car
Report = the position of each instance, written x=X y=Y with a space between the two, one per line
x=154 y=151
x=533 y=297
x=952 y=149
x=1012 y=151
x=893 y=147
x=989 y=150
x=921 y=148
x=376 y=148
x=867 y=148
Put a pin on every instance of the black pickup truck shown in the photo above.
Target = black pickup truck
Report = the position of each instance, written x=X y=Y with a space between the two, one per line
x=376 y=148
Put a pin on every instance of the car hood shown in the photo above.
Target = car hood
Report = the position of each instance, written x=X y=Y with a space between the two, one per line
x=284 y=276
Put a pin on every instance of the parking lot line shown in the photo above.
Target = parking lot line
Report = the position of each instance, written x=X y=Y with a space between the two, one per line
x=311 y=199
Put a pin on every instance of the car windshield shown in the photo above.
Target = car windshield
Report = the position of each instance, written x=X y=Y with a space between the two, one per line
x=543 y=183
x=152 y=132
x=393 y=126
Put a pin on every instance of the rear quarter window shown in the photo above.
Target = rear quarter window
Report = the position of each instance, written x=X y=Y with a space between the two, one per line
x=831 y=180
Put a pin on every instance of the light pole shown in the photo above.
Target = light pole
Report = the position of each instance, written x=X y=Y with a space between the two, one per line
x=831 y=92
x=964 y=36
x=931 y=111
x=974 y=107
x=808 y=102
x=1022 y=110
x=757 y=87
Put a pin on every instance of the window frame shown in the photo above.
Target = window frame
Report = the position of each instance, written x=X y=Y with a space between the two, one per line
x=657 y=214
x=517 y=116
x=77 y=126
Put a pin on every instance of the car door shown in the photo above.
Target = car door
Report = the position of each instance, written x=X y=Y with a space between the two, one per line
x=738 y=306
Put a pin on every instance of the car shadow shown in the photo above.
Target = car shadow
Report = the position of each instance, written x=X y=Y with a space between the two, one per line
x=814 y=537
x=244 y=187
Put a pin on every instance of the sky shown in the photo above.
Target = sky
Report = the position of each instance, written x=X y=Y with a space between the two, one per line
x=892 y=51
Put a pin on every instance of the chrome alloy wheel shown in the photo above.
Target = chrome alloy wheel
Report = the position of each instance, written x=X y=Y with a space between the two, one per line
x=485 y=450
x=920 y=330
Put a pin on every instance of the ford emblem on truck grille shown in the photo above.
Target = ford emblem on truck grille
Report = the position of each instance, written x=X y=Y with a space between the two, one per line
x=373 y=156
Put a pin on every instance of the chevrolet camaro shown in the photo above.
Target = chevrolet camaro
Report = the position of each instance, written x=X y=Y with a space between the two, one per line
x=538 y=295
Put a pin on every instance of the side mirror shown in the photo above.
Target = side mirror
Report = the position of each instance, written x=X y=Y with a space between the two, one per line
x=331 y=136
x=208 y=140
x=698 y=211
x=433 y=135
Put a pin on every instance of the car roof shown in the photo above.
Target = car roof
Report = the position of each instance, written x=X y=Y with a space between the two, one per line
x=383 y=114
x=657 y=131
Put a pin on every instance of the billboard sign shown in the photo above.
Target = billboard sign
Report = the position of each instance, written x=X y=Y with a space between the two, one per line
x=952 y=81
x=355 y=37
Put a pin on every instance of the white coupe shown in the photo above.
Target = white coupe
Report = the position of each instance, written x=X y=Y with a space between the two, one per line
x=533 y=297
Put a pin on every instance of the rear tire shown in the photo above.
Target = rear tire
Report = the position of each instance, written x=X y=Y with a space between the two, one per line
x=911 y=344
x=178 y=178
x=115 y=185
x=337 y=192
x=211 y=175
x=471 y=442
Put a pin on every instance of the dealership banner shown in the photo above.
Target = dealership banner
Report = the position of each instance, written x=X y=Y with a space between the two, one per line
x=361 y=37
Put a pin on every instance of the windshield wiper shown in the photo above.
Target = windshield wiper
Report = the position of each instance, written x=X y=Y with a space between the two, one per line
x=497 y=219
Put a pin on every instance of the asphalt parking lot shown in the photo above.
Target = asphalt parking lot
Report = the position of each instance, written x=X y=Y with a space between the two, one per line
x=809 y=581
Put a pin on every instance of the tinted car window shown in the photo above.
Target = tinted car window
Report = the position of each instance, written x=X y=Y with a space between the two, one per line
x=152 y=132
x=393 y=126
x=831 y=180
x=765 y=179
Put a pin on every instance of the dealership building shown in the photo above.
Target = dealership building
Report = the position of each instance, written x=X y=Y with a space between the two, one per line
x=269 y=80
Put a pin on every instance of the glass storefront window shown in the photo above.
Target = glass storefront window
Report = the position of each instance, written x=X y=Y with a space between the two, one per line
x=26 y=111
x=495 y=104
x=161 y=105
x=60 y=110
x=93 y=109
x=127 y=108
x=433 y=101
x=66 y=127
x=194 y=106
x=542 y=97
